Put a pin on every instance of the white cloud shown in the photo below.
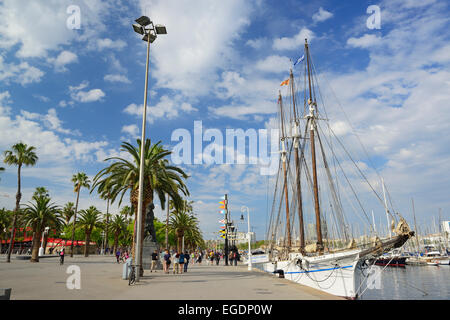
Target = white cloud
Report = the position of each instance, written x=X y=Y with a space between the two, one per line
x=64 y=58
x=92 y=95
x=110 y=44
x=166 y=108
x=116 y=78
x=131 y=129
x=321 y=15
x=274 y=64
x=48 y=29
x=21 y=73
x=366 y=41
x=195 y=48
x=286 y=43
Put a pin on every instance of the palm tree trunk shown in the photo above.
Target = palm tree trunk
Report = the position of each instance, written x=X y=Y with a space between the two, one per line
x=16 y=212
x=86 y=245
x=116 y=241
x=35 y=248
x=107 y=224
x=74 y=220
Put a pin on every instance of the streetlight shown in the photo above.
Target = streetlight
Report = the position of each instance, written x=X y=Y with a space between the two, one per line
x=144 y=27
x=243 y=208
x=41 y=249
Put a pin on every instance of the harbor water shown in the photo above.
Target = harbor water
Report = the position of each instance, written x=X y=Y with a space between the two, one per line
x=410 y=283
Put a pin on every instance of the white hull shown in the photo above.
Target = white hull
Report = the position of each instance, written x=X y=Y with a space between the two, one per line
x=336 y=274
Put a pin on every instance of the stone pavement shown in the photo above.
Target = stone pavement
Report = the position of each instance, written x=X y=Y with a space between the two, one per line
x=101 y=278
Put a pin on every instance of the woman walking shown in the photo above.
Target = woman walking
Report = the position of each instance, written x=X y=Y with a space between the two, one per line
x=61 y=257
x=166 y=263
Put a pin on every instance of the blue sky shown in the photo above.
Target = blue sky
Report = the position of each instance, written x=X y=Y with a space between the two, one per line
x=76 y=94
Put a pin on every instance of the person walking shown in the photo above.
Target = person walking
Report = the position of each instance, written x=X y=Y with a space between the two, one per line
x=155 y=258
x=217 y=257
x=181 y=261
x=61 y=257
x=186 y=261
x=176 y=261
x=166 y=264
x=118 y=256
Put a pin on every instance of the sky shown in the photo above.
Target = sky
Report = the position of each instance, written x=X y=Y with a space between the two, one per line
x=72 y=84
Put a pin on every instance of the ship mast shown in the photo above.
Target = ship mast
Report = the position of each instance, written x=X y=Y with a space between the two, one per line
x=283 y=158
x=297 y=166
x=311 y=120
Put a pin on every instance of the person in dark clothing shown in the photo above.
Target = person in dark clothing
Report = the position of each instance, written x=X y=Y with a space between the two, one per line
x=217 y=257
x=186 y=259
x=155 y=257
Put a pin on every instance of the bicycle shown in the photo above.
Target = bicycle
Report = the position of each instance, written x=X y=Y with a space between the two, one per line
x=132 y=276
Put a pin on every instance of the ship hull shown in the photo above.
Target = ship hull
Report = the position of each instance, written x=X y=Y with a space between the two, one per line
x=391 y=262
x=336 y=274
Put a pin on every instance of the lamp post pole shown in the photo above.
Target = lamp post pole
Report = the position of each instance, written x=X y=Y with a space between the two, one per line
x=41 y=249
x=149 y=36
x=249 y=237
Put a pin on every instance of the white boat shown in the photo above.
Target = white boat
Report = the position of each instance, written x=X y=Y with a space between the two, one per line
x=435 y=258
x=319 y=265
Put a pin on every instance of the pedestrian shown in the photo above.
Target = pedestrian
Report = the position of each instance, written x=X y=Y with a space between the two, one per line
x=166 y=261
x=211 y=257
x=118 y=255
x=176 y=261
x=155 y=258
x=186 y=261
x=61 y=257
x=230 y=258
x=217 y=256
x=199 y=259
x=235 y=257
x=181 y=261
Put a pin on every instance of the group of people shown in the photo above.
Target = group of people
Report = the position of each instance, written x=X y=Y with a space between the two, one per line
x=122 y=256
x=180 y=261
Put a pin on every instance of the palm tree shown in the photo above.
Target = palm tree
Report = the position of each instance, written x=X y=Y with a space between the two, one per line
x=160 y=177
x=89 y=219
x=68 y=212
x=182 y=221
x=80 y=180
x=19 y=155
x=118 y=225
x=126 y=212
x=41 y=192
x=40 y=214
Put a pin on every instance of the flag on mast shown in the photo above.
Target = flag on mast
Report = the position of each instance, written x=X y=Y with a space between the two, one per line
x=299 y=60
x=284 y=83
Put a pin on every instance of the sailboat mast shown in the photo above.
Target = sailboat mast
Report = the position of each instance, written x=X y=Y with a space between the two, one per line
x=386 y=208
x=313 y=153
x=283 y=158
x=415 y=226
x=297 y=167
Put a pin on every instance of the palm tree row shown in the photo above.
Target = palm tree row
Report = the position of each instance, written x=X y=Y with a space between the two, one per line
x=113 y=183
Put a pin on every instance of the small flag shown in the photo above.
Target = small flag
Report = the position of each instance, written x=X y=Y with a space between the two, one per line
x=222 y=207
x=300 y=59
x=222 y=202
x=222 y=211
x=284 y=83
x=222 y=221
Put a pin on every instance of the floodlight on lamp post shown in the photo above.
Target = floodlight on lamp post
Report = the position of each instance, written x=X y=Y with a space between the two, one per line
x=145 y=27
x=243 y=208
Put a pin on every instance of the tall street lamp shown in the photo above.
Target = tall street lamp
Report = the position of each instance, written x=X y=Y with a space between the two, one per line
x=146 y=28
x=243 y=208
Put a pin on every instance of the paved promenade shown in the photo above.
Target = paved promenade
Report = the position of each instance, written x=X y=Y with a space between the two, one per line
x=101 y=278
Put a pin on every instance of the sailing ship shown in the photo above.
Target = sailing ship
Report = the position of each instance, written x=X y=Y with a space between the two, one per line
x=335 y=265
